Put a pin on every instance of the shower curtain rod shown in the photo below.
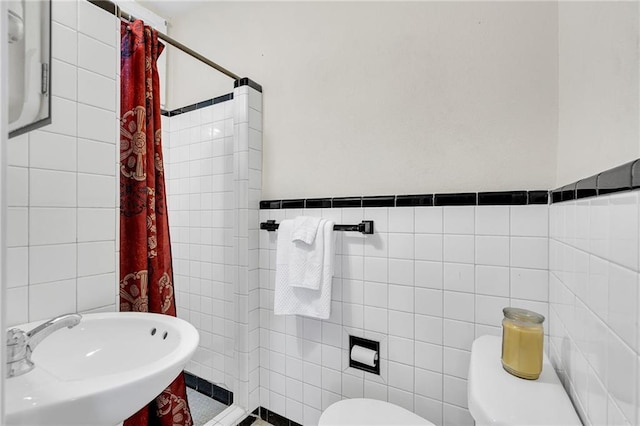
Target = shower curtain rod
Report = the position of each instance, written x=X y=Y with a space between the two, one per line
x=117 y=11
x=185 y=49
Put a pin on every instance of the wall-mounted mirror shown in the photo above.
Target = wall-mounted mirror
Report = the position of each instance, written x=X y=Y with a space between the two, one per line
x=29 y=27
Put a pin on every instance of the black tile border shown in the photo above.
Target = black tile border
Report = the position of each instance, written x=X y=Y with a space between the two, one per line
x=414 y=200
x=615 y=179
x=105 y=5
x=209 y=389
x=270 y=204
x=587 y=187
x=537 y=197
x=191 y=380
x=635 y=174
x=461 y=199
x=346 y=202
x=293 y=204
x=270 y=417
x=625 y=177
x=317 y=203
x=568 y=192
x=198 y=105
x=248 y=421
x=379 y=201
x=248 y=82
x=514 y=198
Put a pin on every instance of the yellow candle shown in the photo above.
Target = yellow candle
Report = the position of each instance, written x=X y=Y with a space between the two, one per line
x=522 y=343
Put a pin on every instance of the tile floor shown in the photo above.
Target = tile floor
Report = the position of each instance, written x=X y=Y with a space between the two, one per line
x=203 y=408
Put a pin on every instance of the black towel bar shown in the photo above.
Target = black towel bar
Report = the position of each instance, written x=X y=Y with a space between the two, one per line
x=366 y=226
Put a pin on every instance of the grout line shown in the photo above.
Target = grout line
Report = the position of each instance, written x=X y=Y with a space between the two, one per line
x=442 y=212
x=510 y=260
x=29 y=314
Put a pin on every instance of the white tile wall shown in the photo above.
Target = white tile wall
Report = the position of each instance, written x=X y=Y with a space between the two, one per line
x=214 y=163
x=198 y=163
x=62 y=192
x=593 y=295
x=247 y=190
x=426 y=284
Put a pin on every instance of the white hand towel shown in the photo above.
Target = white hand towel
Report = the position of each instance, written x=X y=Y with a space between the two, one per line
x=329 y=258
x=305 y=229
x=306 y=260
x=289 y=300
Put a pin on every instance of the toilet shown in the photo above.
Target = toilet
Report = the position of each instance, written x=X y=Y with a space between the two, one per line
x=495 y=397
x=364 y=411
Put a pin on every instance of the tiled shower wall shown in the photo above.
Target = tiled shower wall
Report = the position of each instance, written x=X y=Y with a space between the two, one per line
x=62 y=199
x=247 y=159
x=199 y=165
x=594 y=341
x=425 y=284
x=214 y=162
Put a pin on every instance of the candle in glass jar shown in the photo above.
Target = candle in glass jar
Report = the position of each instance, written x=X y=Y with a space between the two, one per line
x=522 y=343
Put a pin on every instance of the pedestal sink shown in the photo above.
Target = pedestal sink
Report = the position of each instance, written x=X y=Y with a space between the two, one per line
x=101 y=371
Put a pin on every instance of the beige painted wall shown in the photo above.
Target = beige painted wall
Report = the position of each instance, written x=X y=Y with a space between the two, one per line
x=598 y=87
x=386 y=98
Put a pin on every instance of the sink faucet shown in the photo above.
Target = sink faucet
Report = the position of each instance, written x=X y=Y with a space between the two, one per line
x=20 y=344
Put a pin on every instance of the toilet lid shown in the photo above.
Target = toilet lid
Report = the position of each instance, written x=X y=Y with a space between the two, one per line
x=363 y=411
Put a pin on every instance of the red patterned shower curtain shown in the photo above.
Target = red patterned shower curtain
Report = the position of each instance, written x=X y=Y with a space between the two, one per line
x=146 y=273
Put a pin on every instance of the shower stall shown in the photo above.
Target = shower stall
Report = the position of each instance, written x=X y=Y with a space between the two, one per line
x=213 y=160
x=213 y=169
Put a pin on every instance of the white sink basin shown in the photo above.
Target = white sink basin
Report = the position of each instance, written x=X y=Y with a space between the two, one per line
x=101 y=371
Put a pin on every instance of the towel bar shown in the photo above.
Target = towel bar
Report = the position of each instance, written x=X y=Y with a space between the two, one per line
x=366 y=226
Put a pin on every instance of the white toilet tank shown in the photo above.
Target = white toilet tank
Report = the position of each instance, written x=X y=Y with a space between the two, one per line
x=498 y=398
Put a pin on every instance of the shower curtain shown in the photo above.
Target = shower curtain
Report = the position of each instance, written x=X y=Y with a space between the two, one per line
x=146 y=273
